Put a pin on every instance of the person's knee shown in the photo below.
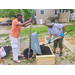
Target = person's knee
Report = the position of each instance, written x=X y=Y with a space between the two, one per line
x=14 y=45
x=60 y=46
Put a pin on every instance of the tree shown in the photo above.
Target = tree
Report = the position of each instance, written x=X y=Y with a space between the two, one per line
x=27 y=13
x=71 y=10
x=13 y=12
x=8 y=12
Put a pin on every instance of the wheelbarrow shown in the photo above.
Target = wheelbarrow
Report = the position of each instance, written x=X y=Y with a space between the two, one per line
x=33 y=45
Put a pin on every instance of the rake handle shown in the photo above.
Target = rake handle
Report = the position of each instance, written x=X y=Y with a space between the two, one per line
x=58 y=37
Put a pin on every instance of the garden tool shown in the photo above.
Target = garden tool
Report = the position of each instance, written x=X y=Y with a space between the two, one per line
x=28 y=52
x=57 y=37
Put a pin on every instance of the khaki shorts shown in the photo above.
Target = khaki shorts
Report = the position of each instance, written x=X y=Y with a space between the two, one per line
x=58 y=41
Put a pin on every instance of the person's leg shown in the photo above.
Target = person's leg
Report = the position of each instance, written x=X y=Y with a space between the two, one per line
x=55 y=46
x=61 y=46
x=18 y=47
x=14 y=44
x=19 y=54
x=54 y=51
x=61 y=50
x=15 y=54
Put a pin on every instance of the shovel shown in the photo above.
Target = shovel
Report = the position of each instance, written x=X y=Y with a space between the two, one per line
x=57 y=37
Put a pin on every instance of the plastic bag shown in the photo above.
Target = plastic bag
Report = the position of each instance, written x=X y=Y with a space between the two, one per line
x=2 y=52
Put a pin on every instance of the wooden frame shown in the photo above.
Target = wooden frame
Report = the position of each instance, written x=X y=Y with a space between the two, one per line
x=45 y=59
x=70 y=44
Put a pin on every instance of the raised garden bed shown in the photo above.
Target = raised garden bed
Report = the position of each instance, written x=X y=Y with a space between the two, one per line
x=70 y=44
x=45 y=50
x=47 y=57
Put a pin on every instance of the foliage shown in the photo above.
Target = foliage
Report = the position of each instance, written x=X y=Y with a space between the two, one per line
x=27 y=13
x=8 y=12
x=71 y=10
x=13 y=12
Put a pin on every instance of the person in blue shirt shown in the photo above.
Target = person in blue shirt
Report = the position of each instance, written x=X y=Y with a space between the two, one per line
x=56 y=30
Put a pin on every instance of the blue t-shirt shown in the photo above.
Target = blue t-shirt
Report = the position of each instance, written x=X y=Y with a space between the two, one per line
x=56 y=30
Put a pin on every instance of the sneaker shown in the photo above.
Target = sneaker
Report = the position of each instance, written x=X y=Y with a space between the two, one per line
x=60 y=54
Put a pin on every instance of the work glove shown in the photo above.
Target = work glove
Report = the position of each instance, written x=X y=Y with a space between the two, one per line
x=62 y=35
x=49 y=40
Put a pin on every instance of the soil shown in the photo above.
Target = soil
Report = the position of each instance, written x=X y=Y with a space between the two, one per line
x=45 y=50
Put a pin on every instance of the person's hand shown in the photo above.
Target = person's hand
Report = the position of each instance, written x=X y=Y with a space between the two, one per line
x=62 y=35
x=31 y=20
x=49 y=40
x=26 y=25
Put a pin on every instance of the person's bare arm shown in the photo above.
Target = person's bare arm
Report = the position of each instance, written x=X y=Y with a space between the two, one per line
x=26 y=25
x=50 y=36
x=63 y=28
x=22 y=24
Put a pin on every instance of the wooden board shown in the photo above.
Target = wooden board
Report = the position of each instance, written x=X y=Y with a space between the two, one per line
x=45 y=59
x=70 y=44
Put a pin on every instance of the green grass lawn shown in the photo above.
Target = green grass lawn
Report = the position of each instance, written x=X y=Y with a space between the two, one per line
x=67 y=28
x=39 y=30
x=72 y=22
x=44 y=31
x=3 y=35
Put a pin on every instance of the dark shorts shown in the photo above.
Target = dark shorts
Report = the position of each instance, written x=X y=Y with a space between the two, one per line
x=58 y=41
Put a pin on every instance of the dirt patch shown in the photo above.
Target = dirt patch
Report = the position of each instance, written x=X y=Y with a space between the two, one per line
x=45 y=50
x=2 y=39
x=3 y=30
